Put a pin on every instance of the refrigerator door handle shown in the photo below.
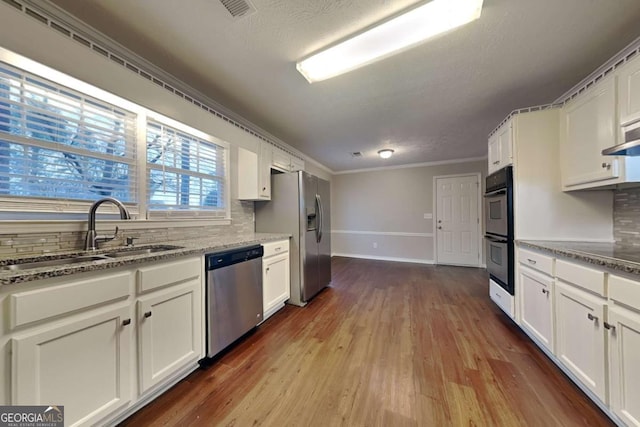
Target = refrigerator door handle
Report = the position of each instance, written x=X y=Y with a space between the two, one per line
x=320 y=227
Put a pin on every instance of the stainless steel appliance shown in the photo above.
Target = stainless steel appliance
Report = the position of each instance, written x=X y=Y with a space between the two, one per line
x=499 y=228
x=233 y=295
x=631 y=134
x=300 y=206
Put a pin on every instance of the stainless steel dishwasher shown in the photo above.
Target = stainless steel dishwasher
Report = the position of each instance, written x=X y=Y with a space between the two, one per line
x=234 y=295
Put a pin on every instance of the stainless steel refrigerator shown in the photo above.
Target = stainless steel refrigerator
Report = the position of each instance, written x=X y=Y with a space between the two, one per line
x=300 y=206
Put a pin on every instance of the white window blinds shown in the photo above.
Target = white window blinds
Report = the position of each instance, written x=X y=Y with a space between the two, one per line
x=186 y=173
x=57 y=143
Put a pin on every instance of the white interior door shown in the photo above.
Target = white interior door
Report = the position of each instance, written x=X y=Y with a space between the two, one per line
x=457 y=220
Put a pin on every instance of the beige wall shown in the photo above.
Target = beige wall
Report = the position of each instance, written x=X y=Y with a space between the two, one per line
x=387 y=207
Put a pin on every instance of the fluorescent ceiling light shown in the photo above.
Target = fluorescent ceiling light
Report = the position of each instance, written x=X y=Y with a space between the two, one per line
x=393 y=36
x=386 y=153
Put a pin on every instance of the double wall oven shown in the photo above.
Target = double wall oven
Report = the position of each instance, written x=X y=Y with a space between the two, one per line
x=499 y=247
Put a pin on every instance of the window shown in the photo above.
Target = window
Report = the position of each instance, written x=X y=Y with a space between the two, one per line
x=186 y=171
x=65 y=144
x=59 y=144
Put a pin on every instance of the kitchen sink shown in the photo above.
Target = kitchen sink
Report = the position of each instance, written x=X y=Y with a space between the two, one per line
x=54 y=262
x=140 y=251
x=76 y=259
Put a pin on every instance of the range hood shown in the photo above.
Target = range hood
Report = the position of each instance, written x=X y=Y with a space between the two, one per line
x=631 y=133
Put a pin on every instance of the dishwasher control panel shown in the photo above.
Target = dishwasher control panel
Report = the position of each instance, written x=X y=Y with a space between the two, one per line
x=223 y=259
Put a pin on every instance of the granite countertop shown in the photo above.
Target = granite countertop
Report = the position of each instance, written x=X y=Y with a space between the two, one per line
x=186 y=247
x=608 y=255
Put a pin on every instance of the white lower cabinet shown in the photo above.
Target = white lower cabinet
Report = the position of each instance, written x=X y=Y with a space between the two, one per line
x=169 y=332
x=580 y=337
x=275 y=277
x=537 y=305
x=81 y=363
x=624 y=336
x=80 y=341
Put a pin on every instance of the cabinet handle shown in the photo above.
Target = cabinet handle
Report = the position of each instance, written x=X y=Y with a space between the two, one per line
x=592 y=317
x=497 y=162
x=147 y=314
x=532 y=261
x=545 y=291
x=126 y=322
x=277 y=249
x=267 y=269
x=606 y=166
x=609 y=326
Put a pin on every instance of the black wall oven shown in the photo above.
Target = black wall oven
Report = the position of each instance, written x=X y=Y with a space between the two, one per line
x=499 y=247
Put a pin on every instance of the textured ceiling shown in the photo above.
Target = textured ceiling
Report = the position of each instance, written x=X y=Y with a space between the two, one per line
x=435 y=102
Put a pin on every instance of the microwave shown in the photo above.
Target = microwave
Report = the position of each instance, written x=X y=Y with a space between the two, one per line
x=630 y=136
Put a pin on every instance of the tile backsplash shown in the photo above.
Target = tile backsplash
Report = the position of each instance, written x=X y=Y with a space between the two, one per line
x=39 y=243
x=626 y=217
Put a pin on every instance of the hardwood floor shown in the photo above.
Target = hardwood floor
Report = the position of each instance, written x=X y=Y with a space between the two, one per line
x=388 y=344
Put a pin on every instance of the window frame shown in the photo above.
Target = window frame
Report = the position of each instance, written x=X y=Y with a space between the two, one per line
x=63 y=211
x=191 y=131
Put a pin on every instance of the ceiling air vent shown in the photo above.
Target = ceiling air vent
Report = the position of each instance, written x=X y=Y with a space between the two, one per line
x=238 y=8
x=356 y=154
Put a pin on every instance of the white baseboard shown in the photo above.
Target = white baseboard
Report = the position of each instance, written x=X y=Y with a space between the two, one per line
x=384 y=258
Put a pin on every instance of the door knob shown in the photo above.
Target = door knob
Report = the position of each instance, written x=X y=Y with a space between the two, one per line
x=439 y=228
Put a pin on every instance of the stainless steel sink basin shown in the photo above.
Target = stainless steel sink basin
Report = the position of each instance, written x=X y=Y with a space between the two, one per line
x=54 y=262
x=75 y=259
x=140 y=251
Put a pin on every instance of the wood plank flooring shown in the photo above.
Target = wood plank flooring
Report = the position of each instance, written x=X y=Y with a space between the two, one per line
x=388 y=344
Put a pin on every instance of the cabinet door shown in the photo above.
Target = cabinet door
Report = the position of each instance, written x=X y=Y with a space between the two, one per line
x=296 y=164
x=625 y=364
x=275 y=282
x=629 y=90
x=590 y=125
x=82 y=364
x=264 y=171
x=281 y=160
x=505 y=140
x=537 y=314
x=580 y=337
x=494 y=153
x=169 y=333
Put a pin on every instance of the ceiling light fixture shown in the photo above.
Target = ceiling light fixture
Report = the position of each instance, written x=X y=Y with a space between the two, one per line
x=390 y=37
x=386 y=153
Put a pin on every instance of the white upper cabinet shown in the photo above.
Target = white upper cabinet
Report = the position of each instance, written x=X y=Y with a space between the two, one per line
x=501 y=147
x=629 y=90
x=254 y=173
x=591 y=123
x=284 y=161
x=589 y=126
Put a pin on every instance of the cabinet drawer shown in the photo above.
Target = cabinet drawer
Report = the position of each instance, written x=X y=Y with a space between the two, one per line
x=537 y=261
x=39 y=304
x=579 y=275
x=502 y=298
x=625 y=291
x=275 y=248
x=168 y=273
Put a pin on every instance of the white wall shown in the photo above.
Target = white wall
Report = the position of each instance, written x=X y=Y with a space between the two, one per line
x=387 y=207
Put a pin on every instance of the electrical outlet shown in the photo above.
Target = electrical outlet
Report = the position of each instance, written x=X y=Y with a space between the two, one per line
x=375 y=245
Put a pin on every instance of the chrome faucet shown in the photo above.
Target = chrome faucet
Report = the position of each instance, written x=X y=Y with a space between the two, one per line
x=91 y=242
